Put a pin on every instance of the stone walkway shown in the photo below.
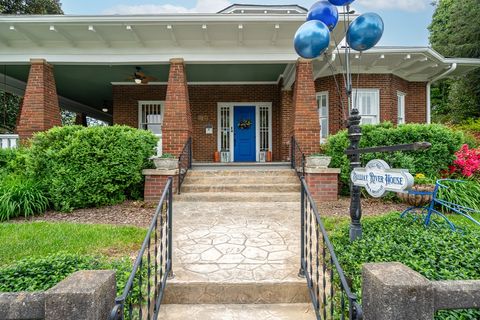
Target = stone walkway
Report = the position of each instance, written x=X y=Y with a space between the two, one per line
x=236 y=242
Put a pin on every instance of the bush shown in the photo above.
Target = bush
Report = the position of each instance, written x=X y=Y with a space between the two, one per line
x=84 y=167
x=42 y=274
x=436 y=253
x=20 y=196
x=431 y=162
x=12 y=160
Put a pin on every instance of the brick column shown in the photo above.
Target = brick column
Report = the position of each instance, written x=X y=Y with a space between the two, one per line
x=286 y=109
x=39 y=110
x=177 y=118
x=306 y=126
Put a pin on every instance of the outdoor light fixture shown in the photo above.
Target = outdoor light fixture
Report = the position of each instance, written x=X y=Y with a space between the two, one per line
x=138 y=80
x=104 y=109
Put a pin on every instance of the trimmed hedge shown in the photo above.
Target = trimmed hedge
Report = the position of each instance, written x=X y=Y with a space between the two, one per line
x=445 y=142
x=86 y=167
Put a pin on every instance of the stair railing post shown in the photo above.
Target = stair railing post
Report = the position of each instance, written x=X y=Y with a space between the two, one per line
x=292 y=152
x=170 y=226
x=301 y=272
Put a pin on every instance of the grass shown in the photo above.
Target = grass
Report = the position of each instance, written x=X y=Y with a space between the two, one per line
x=39 y=239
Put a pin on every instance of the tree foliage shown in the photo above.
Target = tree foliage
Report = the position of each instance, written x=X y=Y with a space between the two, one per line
x=454 y=32
x=30 y=7
x=10 y=103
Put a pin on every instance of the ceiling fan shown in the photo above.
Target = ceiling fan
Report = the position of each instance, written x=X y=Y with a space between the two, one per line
x=140 y=77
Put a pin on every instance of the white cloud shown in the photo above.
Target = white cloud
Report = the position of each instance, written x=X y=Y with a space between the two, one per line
x=202 y=6
x=404 y=5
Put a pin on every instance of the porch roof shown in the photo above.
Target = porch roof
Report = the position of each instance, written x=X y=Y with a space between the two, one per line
x=90 y=53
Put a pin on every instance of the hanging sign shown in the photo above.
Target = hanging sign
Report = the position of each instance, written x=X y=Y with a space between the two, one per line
x=377 y=178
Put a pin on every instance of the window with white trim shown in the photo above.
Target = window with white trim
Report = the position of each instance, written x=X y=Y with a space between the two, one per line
x=401 y=107
x=368 y=104
x=150 y=116
x=322 y=104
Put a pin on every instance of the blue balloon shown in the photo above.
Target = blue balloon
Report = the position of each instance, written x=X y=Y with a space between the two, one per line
x=324 y=11
x=311 y=39
x=365 y=31
x=341 y=2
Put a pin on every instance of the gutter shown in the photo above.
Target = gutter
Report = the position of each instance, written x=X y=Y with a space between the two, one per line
x=429 y=84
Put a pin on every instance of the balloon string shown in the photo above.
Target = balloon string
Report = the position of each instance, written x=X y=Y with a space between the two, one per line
x=337 y=85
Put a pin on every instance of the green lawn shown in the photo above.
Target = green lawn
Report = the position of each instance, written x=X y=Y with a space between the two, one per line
x=39 y=239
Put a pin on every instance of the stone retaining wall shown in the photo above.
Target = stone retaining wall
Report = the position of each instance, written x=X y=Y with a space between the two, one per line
x=86 y=295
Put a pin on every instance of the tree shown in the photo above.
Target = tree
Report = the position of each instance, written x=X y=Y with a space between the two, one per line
x=30 y=7
x=10 y=103
x=454 y=32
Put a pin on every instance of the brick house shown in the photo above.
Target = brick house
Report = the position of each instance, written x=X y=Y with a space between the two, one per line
x=229 y=80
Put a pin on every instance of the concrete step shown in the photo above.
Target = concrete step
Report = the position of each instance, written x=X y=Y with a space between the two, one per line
x=285 y=187
x=223 y=180
x=291 y=311
x=242 y=172
x=258 y=292
x=239 y=196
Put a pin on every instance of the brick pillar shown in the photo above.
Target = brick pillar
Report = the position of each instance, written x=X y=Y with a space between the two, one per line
x=81 y=119
x=177 y=119
x=306 y=126
x=286 y=107
x=39 y=110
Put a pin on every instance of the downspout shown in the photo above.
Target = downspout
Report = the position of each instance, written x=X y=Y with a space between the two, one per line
x=429 y=84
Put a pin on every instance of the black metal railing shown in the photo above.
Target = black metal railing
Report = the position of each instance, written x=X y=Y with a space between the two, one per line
x=297 y=158
x=329 y=290
x=144 y=290
x=184 y=163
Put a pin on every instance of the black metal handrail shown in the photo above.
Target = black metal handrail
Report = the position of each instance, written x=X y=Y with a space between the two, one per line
x=297 y=158
x=329 y=290
x=144 y=290
x=184 y=162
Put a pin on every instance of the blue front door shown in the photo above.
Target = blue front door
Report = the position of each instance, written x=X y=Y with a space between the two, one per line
x=244 y=134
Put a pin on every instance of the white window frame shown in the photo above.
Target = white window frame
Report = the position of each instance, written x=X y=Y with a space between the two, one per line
x=141 y=104
x=375 y=108
x=320 y=95
x=401 y=107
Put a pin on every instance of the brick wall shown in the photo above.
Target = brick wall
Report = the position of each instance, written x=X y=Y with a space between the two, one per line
x=155 y=185
x=388 y=84
x=125 y=101
x=203 y=100
x=39 y=110
x=323 y=184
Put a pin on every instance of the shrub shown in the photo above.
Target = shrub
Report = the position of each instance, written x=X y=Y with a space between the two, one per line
x=431 y=162
x=13 y=160
x=465 y=193
x=84 y=167
x=467 y=162
x=42 y=274
x=436 y=253
x=20 y=196
x=472 y=127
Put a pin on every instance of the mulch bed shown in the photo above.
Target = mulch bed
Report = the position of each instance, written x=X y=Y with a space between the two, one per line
x=139 y=213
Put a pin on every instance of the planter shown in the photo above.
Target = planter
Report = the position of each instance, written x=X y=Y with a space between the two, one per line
x=418 y=196
x=165 y=163
x=216 y=156
x=318 y=161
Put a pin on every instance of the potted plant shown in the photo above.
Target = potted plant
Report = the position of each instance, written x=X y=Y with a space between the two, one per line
x=318 y=160
x=164 y=161
x=421 y=193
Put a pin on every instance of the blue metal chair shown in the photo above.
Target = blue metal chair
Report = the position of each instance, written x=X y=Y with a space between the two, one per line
x=426 y=211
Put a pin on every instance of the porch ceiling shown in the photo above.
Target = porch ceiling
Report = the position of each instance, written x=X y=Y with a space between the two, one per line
x=91 y=85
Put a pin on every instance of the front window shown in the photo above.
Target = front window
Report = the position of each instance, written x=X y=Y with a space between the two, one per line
x=401 y=107
x=322 y=103
x=150 y=116
x=368 y=104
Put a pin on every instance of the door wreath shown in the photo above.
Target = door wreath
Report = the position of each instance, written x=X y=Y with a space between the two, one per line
x=245 y=124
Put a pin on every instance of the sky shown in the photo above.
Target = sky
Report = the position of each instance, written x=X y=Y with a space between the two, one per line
x=406 y=21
